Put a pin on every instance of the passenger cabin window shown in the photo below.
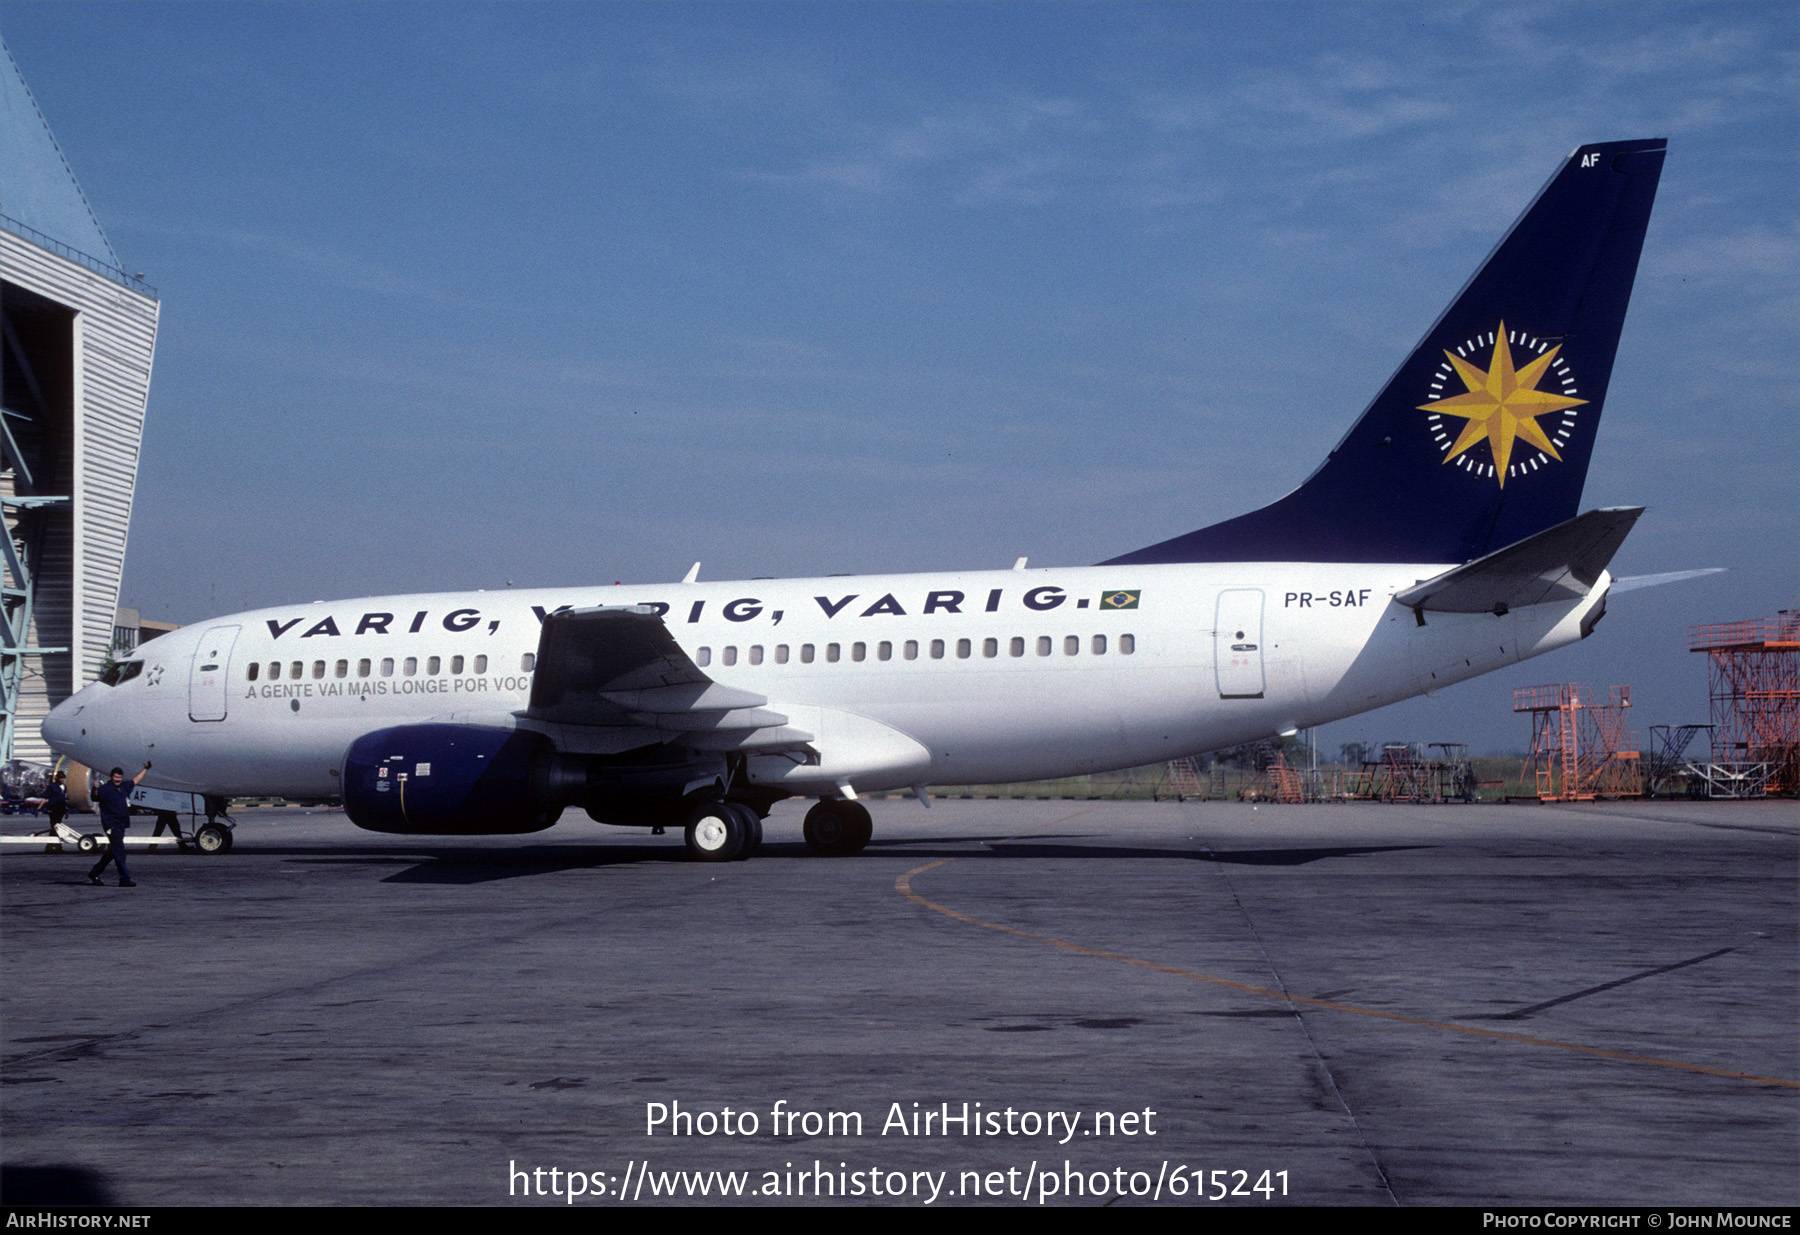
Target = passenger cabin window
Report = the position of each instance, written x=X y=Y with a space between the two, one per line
x=481 y=664
x=937 y=649
x=528 y=662
x=832 y=652
x=781 y=653
x=362 y=667
x=703 y=657
x=806 y=653
x=251 y=670
x=756 y=653
x=318 y=669
x=1127 y=644
x=990 y=647
x=911 y=650
x=297 y=670
x=274 y=670
x=884 y=650
x=1017 y=646
x=411 y=666
x=1071 y=645
x=1099 y=645
x=341 y=669
x=1043 y=645
x=962 y=649
x=456 y=664
x=729 y=656
x=387 y=666
x=859 y=651
x=433 y=664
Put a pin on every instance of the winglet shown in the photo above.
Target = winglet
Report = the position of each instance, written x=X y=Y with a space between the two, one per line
x=693 y=574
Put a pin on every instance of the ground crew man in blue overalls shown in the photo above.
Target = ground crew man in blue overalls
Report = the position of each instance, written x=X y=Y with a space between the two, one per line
x=114 y=800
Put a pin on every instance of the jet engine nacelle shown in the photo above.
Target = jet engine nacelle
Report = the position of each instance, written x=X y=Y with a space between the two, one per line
x=463 y=780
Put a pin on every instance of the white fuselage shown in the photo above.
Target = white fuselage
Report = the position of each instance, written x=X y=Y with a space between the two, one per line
x=993 y=676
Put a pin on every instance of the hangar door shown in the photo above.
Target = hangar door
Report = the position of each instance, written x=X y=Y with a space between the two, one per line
x=1237 y=643
x=207 y=677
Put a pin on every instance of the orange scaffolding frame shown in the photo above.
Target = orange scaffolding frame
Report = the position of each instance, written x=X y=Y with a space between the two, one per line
x=1404 y=775
x=1276 y=780
x=1580 y=750
x=1754 y=682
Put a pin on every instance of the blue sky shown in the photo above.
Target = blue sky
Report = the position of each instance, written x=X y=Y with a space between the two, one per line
x=461 y=294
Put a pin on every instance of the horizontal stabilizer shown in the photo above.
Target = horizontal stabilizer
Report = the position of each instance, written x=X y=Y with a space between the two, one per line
x=1562 y=563
x=1632 y=583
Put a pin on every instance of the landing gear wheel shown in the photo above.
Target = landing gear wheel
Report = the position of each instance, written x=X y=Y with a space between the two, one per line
x=716 y=833
x=838 y=828
x=753 y=829
x=212 y=838
x=87 y=844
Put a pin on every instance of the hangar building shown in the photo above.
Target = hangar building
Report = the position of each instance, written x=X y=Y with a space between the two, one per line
x=80 y=333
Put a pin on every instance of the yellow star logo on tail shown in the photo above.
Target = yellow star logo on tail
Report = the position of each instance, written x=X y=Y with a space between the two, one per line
x=1502 y=404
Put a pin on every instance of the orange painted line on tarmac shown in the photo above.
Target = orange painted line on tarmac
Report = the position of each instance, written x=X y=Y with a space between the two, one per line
x=903 y=885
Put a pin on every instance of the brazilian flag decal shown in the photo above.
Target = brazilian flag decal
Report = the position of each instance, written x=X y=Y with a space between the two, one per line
x=1119 y=600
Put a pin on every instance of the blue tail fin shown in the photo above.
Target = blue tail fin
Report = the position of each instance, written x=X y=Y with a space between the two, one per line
x=1482 y=436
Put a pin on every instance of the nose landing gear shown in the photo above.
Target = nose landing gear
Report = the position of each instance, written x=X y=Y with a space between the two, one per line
x=212 y=837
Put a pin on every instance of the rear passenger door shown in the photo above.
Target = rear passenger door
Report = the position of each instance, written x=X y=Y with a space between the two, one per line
x=1237 y=643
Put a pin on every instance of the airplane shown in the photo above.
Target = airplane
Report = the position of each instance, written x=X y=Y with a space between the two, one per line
x=1440 y=539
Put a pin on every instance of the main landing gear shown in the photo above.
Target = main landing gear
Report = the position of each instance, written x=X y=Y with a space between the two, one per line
x=728 y=831
x=723 y=832
x=837 y=827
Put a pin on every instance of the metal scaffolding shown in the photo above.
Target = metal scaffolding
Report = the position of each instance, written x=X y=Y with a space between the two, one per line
x=1580 y=750
x=1455 y=773
x=1666 y=767
x=1184 y=779
x=1754 y=679
x=1404 y=775
x=1276 y=779
x=27 y=510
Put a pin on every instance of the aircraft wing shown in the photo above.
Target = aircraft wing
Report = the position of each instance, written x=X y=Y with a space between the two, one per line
x=620 y=668
x=1559 y=563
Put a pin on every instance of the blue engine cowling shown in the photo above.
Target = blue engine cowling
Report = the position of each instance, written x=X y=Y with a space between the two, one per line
x=462 y=780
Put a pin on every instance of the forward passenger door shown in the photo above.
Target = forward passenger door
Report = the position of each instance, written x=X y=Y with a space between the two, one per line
x=209 y=673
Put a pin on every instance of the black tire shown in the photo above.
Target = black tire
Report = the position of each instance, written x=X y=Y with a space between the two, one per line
x=837 y=828
x=87 y=844
x=859 y=827
x=753 y=829
x=212 y=838
x=715 y=833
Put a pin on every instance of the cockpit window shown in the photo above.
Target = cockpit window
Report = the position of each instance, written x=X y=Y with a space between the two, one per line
x=123 y=671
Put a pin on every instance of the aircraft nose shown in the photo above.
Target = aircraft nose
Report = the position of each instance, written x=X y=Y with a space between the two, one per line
x=62 y=727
